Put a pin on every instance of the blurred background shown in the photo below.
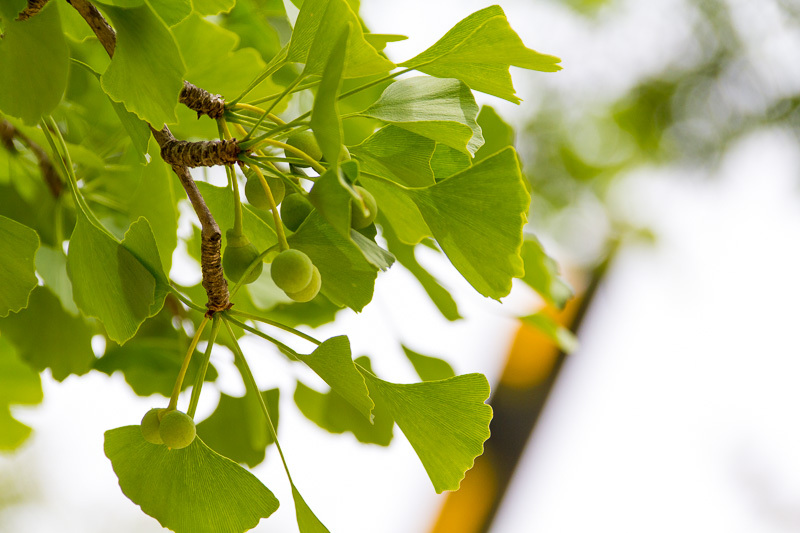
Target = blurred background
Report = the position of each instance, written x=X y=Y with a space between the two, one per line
x=664 y=164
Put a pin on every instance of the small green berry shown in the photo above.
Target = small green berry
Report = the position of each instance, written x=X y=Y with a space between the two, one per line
x=308 y=294
x=294 y=210
x=357 y=218
x=255 y=194
x=239 y=253
x=177 y=430
x=292 y=270
x=306 y=142
x=150 y=426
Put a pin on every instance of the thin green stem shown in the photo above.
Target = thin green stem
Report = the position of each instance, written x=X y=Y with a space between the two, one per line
x=201 y=373
x=298 y=152
x=273 y=323
x=250 y=383
x=373 y=83
x=276 y=217
x=282 y=347
x=274 y=103
x=308 y=85
x=185 y=300
x=173 y=400
x=271 y=69
x=238 y=227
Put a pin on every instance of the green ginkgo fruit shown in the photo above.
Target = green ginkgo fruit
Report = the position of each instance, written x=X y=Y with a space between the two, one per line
x=358 y=219
x=177 y=430
x=255 y=194
x=295 y=208
x=292 y=270
x=239 y=253
x=311 y=290
x=306 y=142
x=150 y=426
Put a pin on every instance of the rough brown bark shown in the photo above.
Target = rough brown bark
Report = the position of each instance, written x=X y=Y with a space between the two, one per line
x=102 y=29
x=201 y=153
x=202 y=101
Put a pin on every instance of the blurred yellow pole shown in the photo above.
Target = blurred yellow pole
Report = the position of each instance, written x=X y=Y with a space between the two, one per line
x=518 y=399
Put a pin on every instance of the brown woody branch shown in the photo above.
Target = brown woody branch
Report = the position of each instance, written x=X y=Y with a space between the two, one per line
x=202 y=101
x=201 y=153
x=210 y=258
x=7 y=135
x=34 y=6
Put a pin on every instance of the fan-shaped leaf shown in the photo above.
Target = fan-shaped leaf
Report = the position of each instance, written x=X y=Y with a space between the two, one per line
x=191 y=490
x=18 y=245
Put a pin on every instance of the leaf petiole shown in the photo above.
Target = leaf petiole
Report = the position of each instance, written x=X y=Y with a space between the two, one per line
x=201 y=373
x=176 y=390
x=274 y=323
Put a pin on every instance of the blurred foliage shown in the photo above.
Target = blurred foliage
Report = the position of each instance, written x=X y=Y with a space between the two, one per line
x=686 y=115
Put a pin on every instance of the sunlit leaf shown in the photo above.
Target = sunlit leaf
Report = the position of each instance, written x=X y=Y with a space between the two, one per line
x=51 y=264
x=236 y=428
x=347 y=277
x=478 y=51
x=146 y=73
x=429 y=368
x=405 y=255
x=311 y=40
x=19 y=385
x=541 y=273
x=108 y=281
x=34 y=61
x=398 y=155
x=398 y=208
x=212 y=7
x=171 y=11
x=447 y=161
x=380 y=40
x=325 y=120
x=445 y=421
x=496 y=133
x=307 y=521
x=191 y=490
x=443 y=110
x=45 y=336
x=333 y=362
x=18 y=244
x=563 y=337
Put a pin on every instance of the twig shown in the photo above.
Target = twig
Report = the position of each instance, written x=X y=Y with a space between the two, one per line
x=201 y=153
x=7 y=135
x=34 y=6
x=210 y=258
x=202 y=101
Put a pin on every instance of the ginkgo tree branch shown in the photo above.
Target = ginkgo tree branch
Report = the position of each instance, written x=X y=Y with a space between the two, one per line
x=34 y=6
x=211 y=243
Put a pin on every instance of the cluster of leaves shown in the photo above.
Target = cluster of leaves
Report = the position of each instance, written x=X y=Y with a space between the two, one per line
x=96 y=259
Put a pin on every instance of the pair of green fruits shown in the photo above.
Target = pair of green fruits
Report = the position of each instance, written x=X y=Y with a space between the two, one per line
x=292 y=270
x=172 y=428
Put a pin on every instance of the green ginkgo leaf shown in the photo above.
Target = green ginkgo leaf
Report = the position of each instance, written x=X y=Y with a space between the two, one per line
x=398 y=208
x=333 y=362
x=477 y=217
x=311 y=40
x=146 y=73
x=18 y=245
x=429 y=368
x=443 y=110
x=171 y=11
x=109 y=282
x=51 y=265
x=541 y=273
x=212 y=7
x=406 y=256
x=45 y=336
x=496 y=132
x=34 y=60
x=190 y=490
x=19 y=385
x=478 y=51
x=398 y=155
x=563 y=337
x=348 y=279
x=445 y=421
x=325 y=120
x=236 y=428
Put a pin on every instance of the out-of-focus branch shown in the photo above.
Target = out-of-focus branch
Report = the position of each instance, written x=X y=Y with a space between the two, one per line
x=7 y=135
x=34 y=6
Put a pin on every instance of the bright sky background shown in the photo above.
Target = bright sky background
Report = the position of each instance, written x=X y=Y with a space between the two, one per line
x=678 y=412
